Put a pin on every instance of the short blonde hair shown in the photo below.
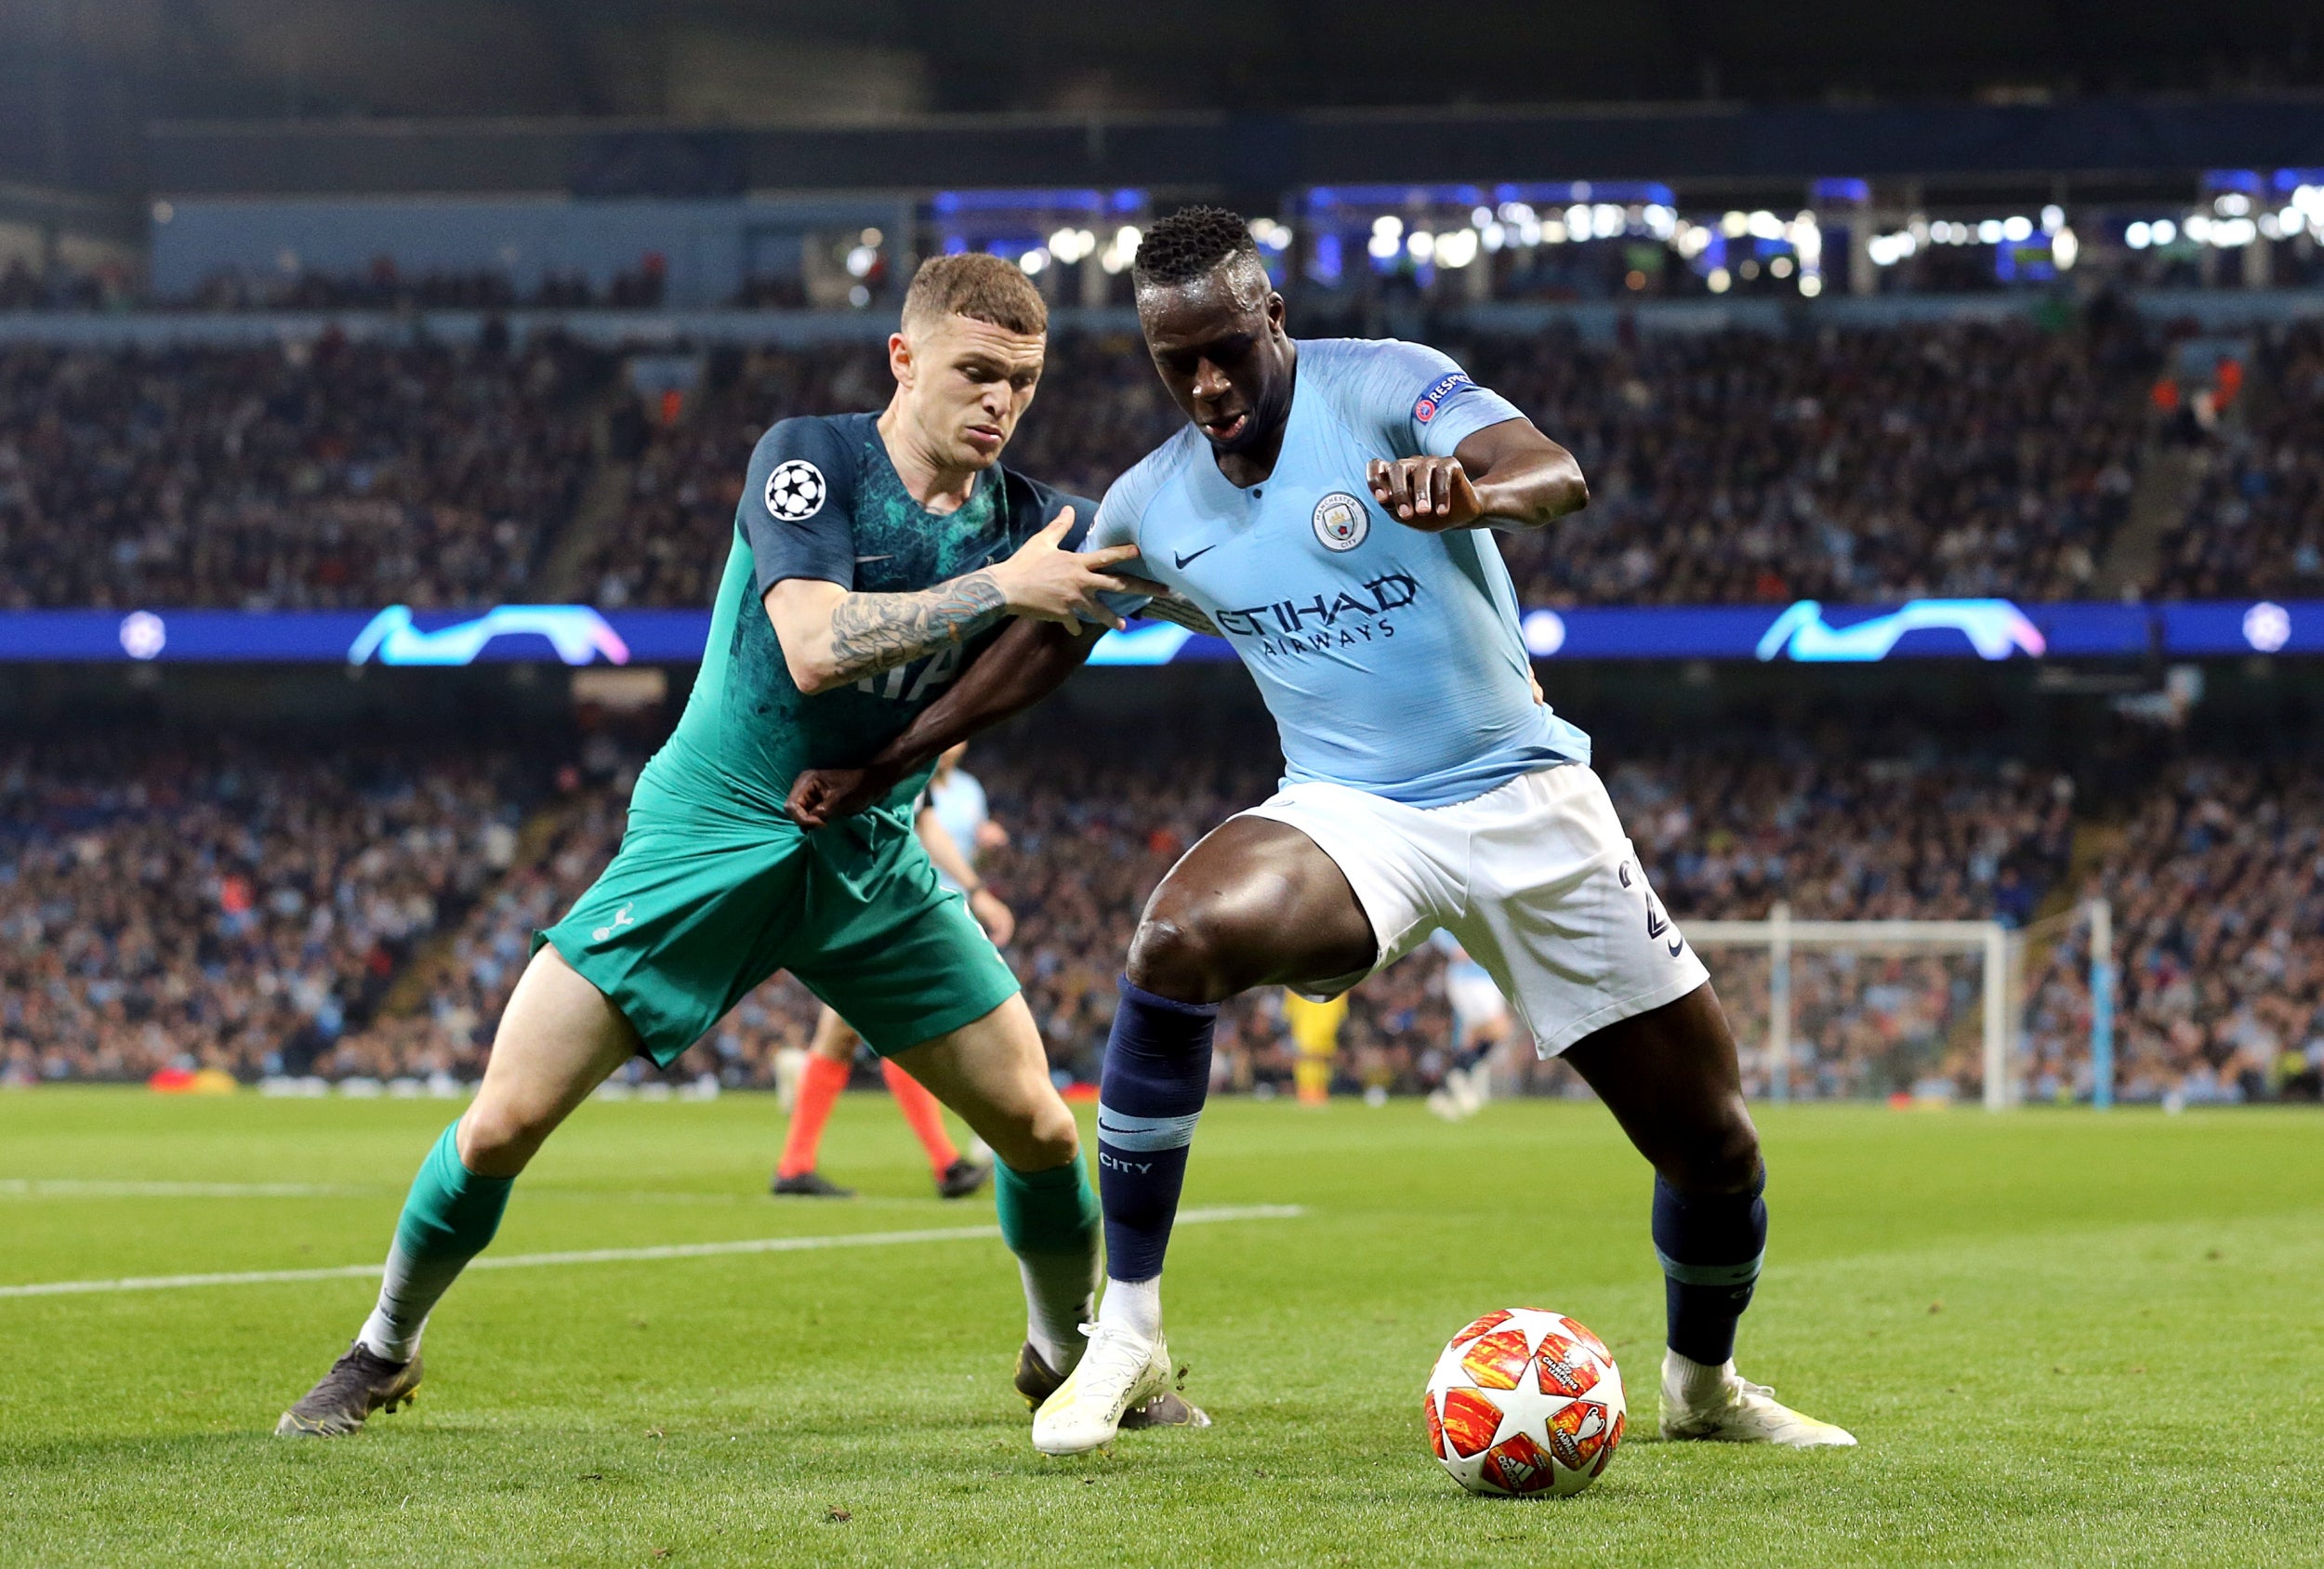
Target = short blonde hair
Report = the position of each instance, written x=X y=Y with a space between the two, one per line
x=984 y=288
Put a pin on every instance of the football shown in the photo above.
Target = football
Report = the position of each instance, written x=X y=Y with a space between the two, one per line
x=1524 y=1403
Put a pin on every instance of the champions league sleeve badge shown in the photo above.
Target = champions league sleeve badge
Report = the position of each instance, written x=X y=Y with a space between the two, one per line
x=1340 y=521
x=1432 y=400
x=795 y=491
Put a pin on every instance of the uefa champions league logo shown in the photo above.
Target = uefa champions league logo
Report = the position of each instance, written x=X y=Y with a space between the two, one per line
x=1995 y=628
x=1340 y=521
x=577 y=633
x=796 y=490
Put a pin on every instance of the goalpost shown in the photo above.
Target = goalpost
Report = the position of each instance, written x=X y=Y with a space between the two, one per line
x=1997 y=950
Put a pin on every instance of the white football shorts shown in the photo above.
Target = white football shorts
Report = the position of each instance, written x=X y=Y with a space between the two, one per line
x=1535 y=878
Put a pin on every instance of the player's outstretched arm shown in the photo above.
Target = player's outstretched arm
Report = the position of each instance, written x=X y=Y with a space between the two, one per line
x=832 y=637
x=1026 y=664
x=1507 y=476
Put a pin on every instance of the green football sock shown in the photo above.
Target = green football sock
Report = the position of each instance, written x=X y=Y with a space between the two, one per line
x=1049 y=1220
x=449 y=1217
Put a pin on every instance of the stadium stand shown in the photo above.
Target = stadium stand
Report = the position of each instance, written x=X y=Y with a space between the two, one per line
x=364 y=912
x=315 y=475
x=1960 y=458
x=226 y=905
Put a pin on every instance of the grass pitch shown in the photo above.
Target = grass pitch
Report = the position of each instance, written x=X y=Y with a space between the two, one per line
x=2062 y=1338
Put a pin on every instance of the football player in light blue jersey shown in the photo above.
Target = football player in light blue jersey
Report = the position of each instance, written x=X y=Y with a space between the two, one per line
x=1329 y=511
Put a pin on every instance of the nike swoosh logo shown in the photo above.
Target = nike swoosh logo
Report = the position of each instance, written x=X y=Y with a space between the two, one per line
x=861 y=559
x=1192 y=555
x=1678 y=946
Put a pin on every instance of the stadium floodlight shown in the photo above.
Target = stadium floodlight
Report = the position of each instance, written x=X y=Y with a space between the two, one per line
x=1844 y=993
x=2063 y=248
x=2137 y=236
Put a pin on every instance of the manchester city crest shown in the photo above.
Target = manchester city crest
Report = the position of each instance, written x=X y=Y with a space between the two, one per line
x=1340 y=521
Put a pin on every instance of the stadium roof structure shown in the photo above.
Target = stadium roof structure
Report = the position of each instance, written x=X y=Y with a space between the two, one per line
x=1707 y=146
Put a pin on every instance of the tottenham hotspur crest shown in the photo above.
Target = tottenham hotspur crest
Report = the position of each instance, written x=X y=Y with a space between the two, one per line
x=795 y=490
x=1340 y=521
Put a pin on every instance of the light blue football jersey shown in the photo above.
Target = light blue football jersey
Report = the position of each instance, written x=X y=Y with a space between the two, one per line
x=959 y=803
x=1391 y=659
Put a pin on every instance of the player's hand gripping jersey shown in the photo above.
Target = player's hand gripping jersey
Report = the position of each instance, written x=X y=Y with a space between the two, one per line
x=1391 y=659
x=715 y=887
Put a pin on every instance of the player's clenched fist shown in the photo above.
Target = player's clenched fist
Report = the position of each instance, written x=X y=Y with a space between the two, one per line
x=1046 y=582
x=1428 y=494
x=820 y=797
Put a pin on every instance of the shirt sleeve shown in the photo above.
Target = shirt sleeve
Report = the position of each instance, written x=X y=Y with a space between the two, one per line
x=1116 y=522
x=1421 y=402
x=797 y=505
x=1085 y=517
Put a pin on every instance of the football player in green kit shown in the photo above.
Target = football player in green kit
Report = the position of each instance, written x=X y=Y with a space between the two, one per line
x=874 y=556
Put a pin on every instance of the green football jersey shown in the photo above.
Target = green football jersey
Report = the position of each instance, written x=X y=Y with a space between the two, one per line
x=823 y=500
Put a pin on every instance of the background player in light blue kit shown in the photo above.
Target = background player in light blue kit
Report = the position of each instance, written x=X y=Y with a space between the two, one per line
x=1327 y=511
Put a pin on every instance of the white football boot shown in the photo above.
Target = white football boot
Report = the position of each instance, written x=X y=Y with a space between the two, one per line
x=1715 y=1403
x=1121 y=1370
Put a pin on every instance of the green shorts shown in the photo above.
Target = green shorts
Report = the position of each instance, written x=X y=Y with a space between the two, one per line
x=696 y=910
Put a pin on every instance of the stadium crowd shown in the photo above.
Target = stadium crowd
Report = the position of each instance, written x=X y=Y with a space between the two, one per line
x=2256 y=525
x=2217 y=892
x=1962 y=459
x=364 y=914
x=223 y=906
x=319 y=474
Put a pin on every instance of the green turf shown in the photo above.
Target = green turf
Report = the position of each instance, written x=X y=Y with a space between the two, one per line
x=2062 y=1338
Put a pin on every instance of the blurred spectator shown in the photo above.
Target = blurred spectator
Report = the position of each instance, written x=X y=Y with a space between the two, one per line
x=2217 y=890
x=324 y=475
x=232 y=906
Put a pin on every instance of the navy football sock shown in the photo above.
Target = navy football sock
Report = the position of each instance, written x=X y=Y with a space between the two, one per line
x=1158 y=1071
x=1710 y=1245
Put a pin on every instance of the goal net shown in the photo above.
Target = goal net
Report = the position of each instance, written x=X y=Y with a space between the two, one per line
x=1822 y=1010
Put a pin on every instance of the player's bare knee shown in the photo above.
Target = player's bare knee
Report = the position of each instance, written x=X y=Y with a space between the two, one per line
x=1055 y=1140
x=1044 y=1138
x=1724 y=1158
x=1181 y=957
x=499 y=1141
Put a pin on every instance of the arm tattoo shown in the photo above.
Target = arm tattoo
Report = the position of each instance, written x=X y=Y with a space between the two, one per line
x=1180 y=611
x=876 y=632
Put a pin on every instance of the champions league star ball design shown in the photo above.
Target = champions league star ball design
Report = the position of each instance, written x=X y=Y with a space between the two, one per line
x=795 y=490
x=1524 y=1403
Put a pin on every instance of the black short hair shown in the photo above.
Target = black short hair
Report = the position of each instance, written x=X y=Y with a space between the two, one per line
x=1188 y=244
